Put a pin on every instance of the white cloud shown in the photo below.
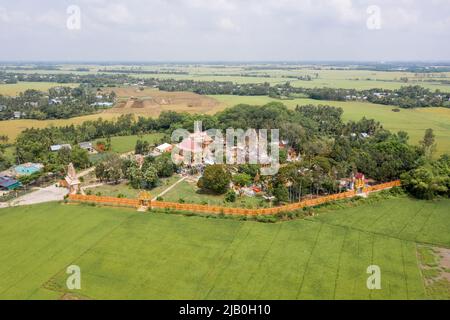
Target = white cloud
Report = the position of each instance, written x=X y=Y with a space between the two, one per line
x=3 y=15
x=228 y=25
x=266 y=29
x=115 y=13
x=52 y=18
x=216 y=5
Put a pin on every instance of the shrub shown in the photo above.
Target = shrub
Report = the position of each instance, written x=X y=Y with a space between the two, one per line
x=230 y=196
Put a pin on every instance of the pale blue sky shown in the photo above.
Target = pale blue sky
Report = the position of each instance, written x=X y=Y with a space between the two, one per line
x=199 y=30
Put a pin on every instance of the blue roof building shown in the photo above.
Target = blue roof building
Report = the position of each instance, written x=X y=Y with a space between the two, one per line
x=8 y=183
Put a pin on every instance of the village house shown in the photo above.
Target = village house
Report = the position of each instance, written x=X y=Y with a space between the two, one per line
x=33 y=104
x=57 y=147
x=55 y=101
x=164 y=148
x=87 y=146
x=103 y=104
x=8 y=183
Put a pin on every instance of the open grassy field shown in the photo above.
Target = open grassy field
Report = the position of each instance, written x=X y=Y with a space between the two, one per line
x=324 y=77
x=128 y=255
x=12 y=128
x=185 y=190
x=129 y=192
x=125 y=144
x=16 y=88
x=189 y=192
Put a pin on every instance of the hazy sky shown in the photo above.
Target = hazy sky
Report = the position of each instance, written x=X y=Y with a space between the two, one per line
x=218 y=30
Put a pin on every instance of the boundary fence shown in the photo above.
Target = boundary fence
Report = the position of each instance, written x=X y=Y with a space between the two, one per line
x=137 y=203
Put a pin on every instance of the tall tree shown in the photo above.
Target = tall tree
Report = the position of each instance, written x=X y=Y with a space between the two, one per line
x=215 y=179
x=429 y=143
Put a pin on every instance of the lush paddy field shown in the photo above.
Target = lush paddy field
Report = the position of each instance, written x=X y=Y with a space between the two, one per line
x=128 y=255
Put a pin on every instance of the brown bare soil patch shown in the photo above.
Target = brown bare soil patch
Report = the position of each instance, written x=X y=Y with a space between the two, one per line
x=444 y=262
x=435 y=268
x=151 y=102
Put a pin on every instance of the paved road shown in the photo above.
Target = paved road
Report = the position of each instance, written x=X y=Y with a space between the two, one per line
x=41 y=195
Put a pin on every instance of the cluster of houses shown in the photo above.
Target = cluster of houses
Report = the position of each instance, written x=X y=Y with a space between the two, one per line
x=9 y=179
x=198 y=141
x=88 y=146
x=8 y=183
x=55 y=101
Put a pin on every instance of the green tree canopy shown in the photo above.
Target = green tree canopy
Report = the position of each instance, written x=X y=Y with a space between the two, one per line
x=215 y=179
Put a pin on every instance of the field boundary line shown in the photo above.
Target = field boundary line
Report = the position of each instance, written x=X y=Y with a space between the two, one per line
x=266 y=252
x=404 y=270
x=169 y=188
x=425 y=223
x=339 y=263
x=44 y=285
x=307 y=262
x=385 y=235
x=223 y=258
x=412 y=219
x=419 y=266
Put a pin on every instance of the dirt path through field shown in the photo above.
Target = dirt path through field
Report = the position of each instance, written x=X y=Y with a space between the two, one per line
x=169 y=188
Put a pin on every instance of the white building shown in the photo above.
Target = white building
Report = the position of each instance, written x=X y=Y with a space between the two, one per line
x=165 y=147
x=58 y=147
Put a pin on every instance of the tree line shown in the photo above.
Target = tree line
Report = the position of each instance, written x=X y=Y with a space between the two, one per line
x=405 y=97
x=329 y=148
x=58 y=103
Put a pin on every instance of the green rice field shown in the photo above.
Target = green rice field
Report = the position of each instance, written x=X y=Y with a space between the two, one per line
x=123 y=254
